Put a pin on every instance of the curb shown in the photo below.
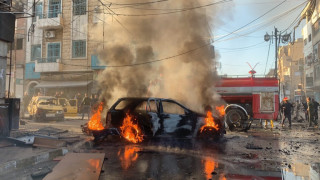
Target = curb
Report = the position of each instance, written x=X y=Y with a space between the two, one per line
x=21 y=163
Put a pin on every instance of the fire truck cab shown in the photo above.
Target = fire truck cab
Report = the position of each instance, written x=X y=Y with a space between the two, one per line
x=249 y=98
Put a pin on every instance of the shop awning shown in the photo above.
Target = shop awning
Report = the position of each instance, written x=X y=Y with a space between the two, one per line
x=62 y=84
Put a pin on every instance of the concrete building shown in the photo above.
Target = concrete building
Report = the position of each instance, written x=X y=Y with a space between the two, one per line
x=60 y=53
x=290 y=70
x=311 y=39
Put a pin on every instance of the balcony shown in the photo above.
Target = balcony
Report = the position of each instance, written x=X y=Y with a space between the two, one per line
x=49 y=21
x=48 y=65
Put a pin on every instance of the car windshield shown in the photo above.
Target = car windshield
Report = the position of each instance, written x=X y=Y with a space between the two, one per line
x=47 y=101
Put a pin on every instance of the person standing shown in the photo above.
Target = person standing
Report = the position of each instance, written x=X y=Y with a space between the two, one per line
x=316 y=106
x=79 y=99
x=311 y=112
x=85 y=105
x=286 y=109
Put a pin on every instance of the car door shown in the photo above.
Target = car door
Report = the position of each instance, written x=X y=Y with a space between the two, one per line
x=72 y=107
x=175 y=119
x=152 y=109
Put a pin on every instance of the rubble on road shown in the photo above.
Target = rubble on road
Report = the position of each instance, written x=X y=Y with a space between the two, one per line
x=252 y=146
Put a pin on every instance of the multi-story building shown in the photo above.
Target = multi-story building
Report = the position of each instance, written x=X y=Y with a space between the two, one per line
x=60 y=53
x=311 y=38
x=290 y=63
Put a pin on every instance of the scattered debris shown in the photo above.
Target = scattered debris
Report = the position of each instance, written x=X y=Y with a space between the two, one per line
x=252 y=146
x=40 y=173
x=24 y=140
x=50 y=131
x=49 y=143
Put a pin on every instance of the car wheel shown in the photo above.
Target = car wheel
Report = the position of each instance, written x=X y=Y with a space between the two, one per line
x=235 y=118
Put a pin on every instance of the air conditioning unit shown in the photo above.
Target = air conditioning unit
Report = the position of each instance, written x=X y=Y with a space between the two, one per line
x=50 y=34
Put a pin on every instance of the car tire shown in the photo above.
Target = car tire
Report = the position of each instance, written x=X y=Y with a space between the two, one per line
x=235 y=118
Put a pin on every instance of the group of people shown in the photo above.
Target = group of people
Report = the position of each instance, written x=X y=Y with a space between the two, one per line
x=85 y=104
x=310 y=108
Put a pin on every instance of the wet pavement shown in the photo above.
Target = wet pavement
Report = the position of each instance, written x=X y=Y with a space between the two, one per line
x=258 y=154
x=278 y=153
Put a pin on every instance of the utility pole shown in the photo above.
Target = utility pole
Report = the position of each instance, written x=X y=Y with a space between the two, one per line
x=276 y=53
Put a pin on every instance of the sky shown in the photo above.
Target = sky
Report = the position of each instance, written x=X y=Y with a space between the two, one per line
x=248 y=44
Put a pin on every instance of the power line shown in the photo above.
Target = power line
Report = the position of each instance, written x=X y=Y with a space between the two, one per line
x=195 y=49
x=172 y=12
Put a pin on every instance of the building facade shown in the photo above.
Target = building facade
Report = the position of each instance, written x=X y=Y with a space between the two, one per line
x=291 y=70
x=311 y=41
x=60 y=53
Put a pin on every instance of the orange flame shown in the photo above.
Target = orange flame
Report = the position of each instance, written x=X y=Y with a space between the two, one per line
x=220 y=109
x=209 y=166
x=129 y=156
x=209 y=122
x=95 y=120
x=131 y=131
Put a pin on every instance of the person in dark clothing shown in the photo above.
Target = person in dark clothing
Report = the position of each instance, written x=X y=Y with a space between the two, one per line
x=78 y=97
x=316 y=106
x=286 y=107
x=85 y=106
x=305 y=110
x=311 y=112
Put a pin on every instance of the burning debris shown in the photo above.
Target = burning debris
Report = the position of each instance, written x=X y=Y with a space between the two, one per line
x=95 y=120
x=130 y=130
x=210 y=123
x=221 y=110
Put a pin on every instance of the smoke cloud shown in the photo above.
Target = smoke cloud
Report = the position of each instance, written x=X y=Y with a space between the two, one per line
x=188 y=78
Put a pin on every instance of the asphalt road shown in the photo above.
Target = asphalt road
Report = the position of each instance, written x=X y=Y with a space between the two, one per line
x=260 y=153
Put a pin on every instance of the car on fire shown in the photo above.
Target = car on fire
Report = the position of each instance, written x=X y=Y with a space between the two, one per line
x=45 y=107
x=157 y=117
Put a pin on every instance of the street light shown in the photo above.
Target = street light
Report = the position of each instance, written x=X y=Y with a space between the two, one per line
x=266 y=37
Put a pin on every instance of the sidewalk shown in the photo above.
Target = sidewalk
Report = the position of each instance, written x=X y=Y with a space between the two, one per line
x=17 y=157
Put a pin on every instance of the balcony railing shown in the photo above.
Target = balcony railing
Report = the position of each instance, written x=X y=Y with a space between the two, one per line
x=50 y=20
x=48 y=65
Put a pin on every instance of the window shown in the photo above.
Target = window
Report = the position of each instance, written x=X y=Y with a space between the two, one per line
x=53 y=52
x=79 y=7
x=54 y=8
x=19 y=44
x=35 y=52
x=309 y=37
x=78 y=48
x=172 y=108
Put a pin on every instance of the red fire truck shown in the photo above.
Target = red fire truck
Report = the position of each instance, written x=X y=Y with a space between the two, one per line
x=249 y=98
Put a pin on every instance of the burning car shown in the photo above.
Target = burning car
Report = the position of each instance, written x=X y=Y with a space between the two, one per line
x=45 y=107
x=137 y=119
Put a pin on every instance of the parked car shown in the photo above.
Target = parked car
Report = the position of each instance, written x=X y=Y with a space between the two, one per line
x=160 y=117
x=69 y=106
x=45 y=107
